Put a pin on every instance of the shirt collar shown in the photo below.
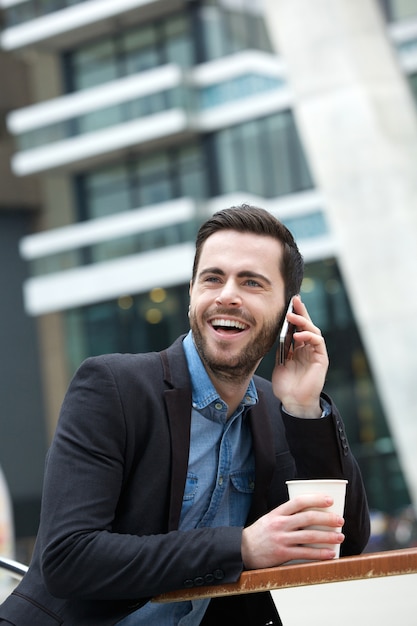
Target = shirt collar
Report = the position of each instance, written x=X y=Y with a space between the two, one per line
x=203 y=390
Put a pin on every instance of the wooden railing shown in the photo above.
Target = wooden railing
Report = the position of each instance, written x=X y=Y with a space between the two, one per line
x=364 y=566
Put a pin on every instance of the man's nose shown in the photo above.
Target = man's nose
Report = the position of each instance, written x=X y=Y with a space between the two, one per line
x=229 y=295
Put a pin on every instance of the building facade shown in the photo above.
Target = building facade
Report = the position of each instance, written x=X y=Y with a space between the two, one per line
x=141 y=118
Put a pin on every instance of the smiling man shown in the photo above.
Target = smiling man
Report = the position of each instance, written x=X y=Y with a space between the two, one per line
x=168 y=470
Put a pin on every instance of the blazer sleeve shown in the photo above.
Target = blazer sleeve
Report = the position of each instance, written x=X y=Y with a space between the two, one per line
x=321 y=449
x=84 y=552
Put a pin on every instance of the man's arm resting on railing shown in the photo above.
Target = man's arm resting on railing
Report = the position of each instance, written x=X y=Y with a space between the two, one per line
x=365 y=566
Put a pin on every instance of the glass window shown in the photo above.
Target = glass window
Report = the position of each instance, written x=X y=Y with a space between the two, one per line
x=149 y=179
x=178 y=42
x=214 y=36
x=19 y=14
x=49 y=6
x=401 y=9
x=228 y=28
x=191 y=180
x=250 y=141
x=230 y=160
x=106 y=191
x=113 y=249
x=132 y=323
x=307 y=226
x=287 y=166
x=100 y=118
x=140 y=50
x=263 y=157
x=154 y=179
x=93 y=64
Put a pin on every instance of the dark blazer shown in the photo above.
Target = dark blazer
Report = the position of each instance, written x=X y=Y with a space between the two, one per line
x=114 y=481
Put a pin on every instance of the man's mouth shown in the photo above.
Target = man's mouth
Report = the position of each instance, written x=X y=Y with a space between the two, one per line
x=228 y=325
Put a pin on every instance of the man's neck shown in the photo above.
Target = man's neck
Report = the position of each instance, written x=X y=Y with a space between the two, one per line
x=231 y=391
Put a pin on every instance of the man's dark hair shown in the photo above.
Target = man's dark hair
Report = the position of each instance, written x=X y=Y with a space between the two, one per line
x=250 y=219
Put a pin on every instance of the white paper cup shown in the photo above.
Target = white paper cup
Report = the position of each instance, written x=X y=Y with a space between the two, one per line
x=330 y=487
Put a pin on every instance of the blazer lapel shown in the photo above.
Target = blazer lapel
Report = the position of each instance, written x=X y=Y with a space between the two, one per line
x=178 y=400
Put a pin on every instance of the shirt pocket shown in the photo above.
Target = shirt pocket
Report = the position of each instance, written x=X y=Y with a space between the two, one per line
x=242 y=488
x=190 y=492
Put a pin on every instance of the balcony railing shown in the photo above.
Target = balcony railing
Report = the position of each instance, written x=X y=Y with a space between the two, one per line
x=31 y=22
x=14 y=568
x=139 y=109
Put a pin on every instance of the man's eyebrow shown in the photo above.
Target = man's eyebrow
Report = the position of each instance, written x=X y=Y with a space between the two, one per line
x=242 y=274
x=212 y=270
x=249 y=274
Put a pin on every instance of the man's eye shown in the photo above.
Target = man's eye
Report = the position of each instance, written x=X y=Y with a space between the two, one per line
x=252 y=283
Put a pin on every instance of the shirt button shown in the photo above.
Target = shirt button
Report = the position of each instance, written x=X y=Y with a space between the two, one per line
x=218 y=406
x=221 y=481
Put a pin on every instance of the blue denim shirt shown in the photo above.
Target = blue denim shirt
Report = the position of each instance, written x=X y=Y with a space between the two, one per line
x=220 y=479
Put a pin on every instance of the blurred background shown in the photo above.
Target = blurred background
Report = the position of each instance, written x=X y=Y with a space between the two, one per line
x=124 y=125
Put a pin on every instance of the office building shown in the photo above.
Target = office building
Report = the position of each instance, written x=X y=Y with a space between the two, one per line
x=141 y=119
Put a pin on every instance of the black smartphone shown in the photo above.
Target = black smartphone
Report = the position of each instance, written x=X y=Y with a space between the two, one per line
x=286 y=336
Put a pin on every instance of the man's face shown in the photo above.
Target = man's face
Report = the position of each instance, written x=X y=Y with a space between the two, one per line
x=236 y=301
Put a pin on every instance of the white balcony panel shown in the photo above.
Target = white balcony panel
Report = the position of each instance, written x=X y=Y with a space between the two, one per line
x=5 y=4
x=283 y=207
x=107 y=228
x=246 y=62
x=109 y=280
x=63 y=21
x=96 y=98
x=246 y=109
x=317 y=248
x=77 y=149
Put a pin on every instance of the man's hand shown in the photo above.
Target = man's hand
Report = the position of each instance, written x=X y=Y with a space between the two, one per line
x=282 y=534
x=300 y=381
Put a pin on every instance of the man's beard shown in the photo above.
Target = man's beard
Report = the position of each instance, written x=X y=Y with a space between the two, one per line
x=239 y=366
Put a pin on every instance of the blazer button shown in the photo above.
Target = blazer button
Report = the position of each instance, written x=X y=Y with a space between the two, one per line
x=198 y=581
x=208 y=579
x=188 y=583
x=218 y=574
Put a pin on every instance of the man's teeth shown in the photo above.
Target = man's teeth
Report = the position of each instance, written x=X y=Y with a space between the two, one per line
x=228 y=324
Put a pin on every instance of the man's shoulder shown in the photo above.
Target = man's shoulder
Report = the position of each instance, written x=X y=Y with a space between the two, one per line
x=145 y=364
x=264 y=389
x=262 y=383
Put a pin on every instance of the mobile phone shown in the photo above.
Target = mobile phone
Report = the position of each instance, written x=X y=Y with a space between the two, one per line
x=286 y=336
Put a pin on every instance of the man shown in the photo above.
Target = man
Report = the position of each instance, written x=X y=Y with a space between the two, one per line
x=168 y=469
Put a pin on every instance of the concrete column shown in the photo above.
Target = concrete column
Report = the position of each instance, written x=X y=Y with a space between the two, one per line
x=358 y=123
